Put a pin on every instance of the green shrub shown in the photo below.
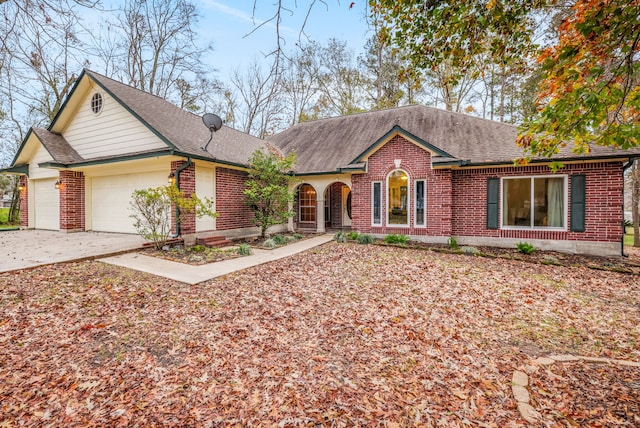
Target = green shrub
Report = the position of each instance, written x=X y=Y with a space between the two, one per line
x=472 y=251
x=198 y=249
x=340 y=237
x=269 y=243
x=525 y=247
x=244 y=249
x=279 y=239
x=396 y=239
x=365 y=239
x=353 y=236
x=453 y=244
x=297 y=236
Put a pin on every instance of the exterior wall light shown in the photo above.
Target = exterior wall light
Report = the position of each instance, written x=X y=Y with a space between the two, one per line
x=22 y=188
x=59 y=185
x=172 y=178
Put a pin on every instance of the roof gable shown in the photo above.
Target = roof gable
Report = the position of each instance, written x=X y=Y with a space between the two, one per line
x=395 y=131
x=180 y=132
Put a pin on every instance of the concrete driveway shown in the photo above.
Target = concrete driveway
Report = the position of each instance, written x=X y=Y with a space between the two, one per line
x=21 y=249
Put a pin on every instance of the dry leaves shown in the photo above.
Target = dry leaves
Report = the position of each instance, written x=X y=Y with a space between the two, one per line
x=344 y=335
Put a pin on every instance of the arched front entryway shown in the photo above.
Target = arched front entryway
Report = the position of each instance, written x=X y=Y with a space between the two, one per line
x=337 y=206
x=322 y=202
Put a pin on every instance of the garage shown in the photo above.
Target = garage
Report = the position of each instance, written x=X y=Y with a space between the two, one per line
x=46 y=204
x=110 y=196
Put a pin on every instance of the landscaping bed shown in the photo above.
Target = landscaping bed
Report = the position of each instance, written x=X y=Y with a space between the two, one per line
x=195 y=255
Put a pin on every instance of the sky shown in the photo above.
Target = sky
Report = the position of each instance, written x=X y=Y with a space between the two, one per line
x=228 y=25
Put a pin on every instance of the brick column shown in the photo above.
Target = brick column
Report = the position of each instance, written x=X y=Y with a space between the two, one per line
x=187 y=181
x=24 y=201
x=72 y=209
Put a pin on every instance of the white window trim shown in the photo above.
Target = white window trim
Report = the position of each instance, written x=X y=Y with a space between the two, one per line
x=424 y=204
x=102 y=101
x=373 y=223
x=300 y=206
x=540 y=228
x=408 y=223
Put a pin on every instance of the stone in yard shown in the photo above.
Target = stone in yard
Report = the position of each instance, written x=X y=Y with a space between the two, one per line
x=528 y=413
x=520 y=393
x=520 y=378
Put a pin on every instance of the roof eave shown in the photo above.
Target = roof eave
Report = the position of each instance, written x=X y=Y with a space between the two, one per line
x=16 y=169
x=105 y=161
x=609 y=158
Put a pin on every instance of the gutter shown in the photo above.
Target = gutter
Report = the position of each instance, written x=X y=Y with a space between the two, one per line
x=178 y=172
x=624 y=168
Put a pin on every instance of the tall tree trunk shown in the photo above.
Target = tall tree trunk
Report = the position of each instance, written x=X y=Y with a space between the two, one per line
x=635 y=202
x=14 y=210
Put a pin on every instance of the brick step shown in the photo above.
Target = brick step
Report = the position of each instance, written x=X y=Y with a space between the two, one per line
x=214 y=241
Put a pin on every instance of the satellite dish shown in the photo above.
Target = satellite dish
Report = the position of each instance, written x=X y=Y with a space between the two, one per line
x=212 y=121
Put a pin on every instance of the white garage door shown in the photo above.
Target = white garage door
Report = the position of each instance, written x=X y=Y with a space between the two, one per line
x=46 y=204
x=110 y=196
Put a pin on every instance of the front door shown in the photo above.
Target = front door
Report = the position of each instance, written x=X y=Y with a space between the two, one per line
x=346 y=206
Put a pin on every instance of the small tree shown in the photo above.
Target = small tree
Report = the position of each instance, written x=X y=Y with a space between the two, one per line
x=152 y=211
x=267 y=189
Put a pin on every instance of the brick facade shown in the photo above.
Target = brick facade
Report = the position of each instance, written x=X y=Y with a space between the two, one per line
x=603 y=202
x=232 y=211
x=416 y=162
x=456 y=199
x=72 y=198
x=24 y=201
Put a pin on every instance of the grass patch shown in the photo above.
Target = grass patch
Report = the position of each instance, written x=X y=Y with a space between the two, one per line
x=4 y=216
x=628 y=237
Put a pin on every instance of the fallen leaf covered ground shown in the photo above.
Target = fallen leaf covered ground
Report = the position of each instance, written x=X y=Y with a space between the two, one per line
x=342 y=335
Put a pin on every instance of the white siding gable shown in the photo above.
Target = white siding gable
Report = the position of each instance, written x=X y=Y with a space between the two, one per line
x=39 y=156
x=113 y=131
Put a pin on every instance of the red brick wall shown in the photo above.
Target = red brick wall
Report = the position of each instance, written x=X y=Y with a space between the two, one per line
x=603 y=208
x=335 y=192
x=416 y=162
x=24 y=201
x=188 y=186
x=456 y=199
x=232 y=211
x=72 y=210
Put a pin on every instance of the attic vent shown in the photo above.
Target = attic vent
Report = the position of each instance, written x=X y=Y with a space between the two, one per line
x=96 y=103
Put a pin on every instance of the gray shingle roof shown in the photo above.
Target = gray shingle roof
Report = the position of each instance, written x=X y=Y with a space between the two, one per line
x=57 y=146
x=179 y=128
x=329 y=144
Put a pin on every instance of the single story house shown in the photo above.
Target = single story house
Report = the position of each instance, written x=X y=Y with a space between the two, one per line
x=420 y=171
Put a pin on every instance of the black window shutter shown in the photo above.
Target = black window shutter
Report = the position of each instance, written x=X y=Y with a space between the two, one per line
x=578 y=202
x=493 y=197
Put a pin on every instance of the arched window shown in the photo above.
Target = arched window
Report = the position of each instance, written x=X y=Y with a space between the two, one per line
x=398 y=198
x=307 y=203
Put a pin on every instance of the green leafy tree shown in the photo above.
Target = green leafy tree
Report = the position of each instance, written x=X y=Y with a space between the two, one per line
x=152 y=211
x=590 y=89
x=267 y=188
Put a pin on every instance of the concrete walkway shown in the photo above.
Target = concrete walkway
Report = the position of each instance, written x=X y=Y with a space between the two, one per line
x=195 y=274
x=21 y=249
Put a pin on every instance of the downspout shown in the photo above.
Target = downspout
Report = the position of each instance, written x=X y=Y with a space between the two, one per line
x=624 y=168
x=178 y=172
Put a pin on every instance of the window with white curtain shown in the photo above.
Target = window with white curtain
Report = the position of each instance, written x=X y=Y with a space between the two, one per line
x=534 y=202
